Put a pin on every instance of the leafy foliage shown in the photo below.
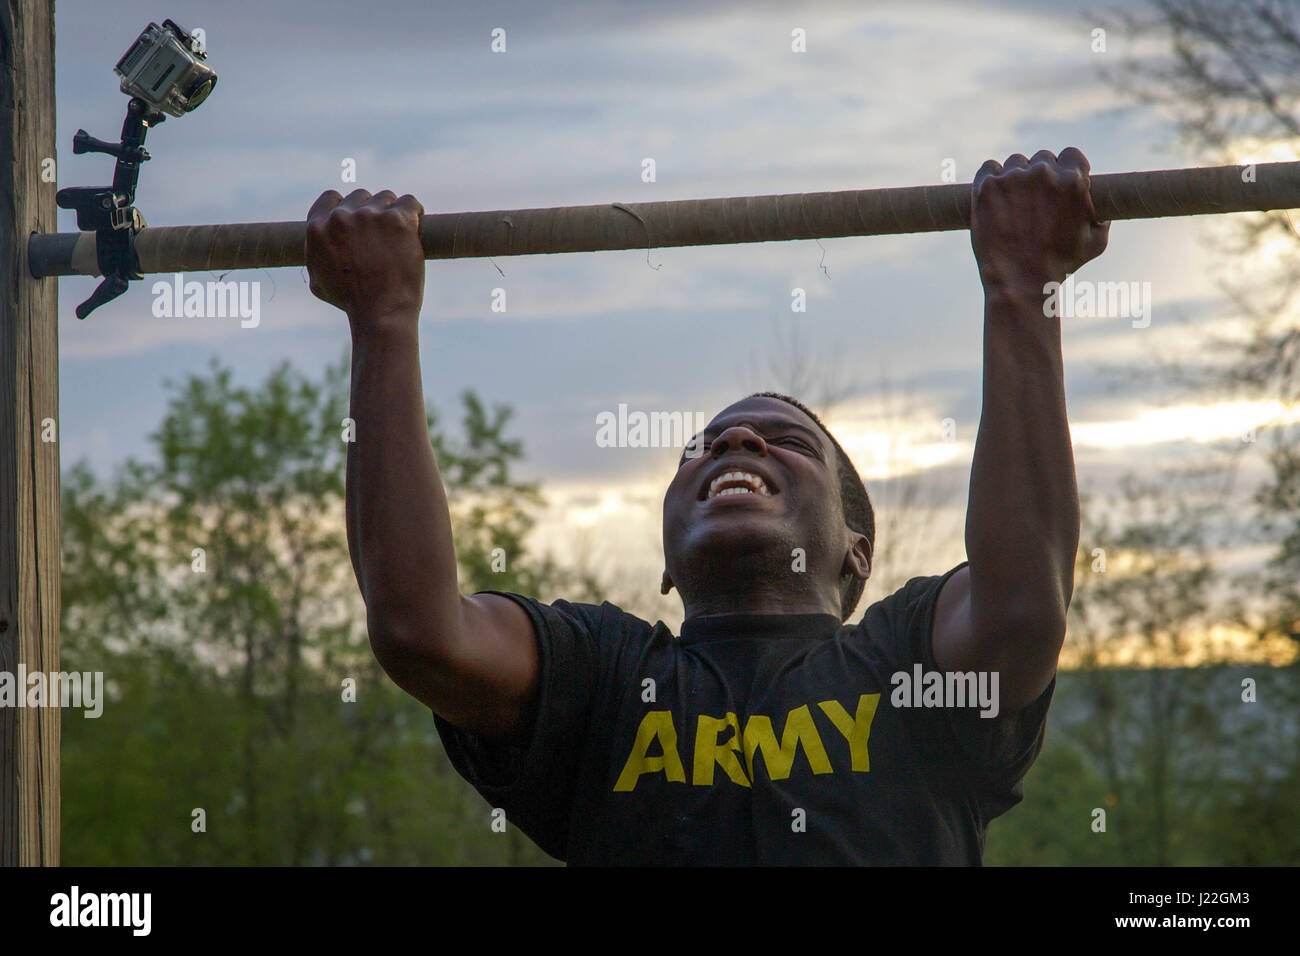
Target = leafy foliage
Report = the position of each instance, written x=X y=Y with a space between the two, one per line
x=214 y=590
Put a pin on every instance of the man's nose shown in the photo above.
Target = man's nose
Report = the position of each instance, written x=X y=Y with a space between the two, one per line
x=738 y=436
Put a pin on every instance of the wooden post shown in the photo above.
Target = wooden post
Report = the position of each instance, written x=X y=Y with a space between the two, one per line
x=29 y=412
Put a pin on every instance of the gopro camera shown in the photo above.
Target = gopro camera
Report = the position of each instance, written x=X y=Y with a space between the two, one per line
x=165 y=68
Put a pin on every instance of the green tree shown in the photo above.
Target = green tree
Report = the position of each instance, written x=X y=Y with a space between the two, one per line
x=1227 y=73
x=1154 y=729
x=1053 y=826
x=214 y=590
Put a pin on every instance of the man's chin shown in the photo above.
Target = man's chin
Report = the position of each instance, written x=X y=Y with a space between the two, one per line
x=735 y=538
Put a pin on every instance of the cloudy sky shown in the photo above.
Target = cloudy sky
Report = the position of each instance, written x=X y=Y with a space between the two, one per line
x=712 y=91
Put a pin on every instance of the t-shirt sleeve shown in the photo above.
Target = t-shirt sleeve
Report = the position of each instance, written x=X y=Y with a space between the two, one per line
x=993 y=753
x=533 y=781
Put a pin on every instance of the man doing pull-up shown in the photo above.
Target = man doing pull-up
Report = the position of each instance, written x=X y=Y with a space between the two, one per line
x=771 y=730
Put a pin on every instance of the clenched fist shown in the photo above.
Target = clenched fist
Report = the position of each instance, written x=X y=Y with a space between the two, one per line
x=364 y=255
x=1032 y=220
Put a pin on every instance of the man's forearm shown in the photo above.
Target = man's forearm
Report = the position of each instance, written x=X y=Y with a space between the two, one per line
x=399 y=529
x=1022 y=521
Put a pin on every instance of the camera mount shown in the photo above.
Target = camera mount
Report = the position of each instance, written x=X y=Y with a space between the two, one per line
x=164 y=71
x=110 y=212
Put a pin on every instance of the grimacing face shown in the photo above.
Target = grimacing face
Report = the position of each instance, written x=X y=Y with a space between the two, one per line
x=766 y=484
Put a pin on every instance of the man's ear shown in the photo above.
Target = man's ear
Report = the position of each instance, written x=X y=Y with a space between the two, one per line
x=857 y=561
x=666 y=584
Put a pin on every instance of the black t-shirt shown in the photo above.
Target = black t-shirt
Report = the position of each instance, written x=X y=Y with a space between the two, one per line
x=750 y=739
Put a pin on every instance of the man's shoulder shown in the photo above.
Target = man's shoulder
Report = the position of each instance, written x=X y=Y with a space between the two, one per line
x=604 y=621
x=607 y=616
x=914 y=593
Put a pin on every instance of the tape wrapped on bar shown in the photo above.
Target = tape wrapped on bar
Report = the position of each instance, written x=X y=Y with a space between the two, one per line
x=691 y=222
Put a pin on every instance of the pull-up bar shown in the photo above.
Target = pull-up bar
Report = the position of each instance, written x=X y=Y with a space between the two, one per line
x=691 y=222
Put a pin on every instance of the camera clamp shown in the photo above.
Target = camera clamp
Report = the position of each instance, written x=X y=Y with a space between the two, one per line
x=110 y=211
x=164 y=71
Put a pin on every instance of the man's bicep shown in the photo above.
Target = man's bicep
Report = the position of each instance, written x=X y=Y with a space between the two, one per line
x=951 y=634
x=485 y=681
x=1024 y=662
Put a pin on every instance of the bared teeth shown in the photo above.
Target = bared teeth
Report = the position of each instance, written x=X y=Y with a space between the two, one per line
x=737 y=483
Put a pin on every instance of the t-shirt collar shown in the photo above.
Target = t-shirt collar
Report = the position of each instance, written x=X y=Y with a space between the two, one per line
x=714 y=627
